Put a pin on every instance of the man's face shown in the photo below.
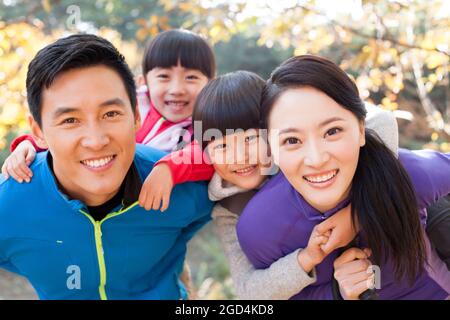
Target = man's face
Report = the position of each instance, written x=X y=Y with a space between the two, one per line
x=89 y=127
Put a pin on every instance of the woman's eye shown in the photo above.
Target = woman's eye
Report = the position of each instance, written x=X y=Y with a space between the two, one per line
x=111 y=114
x=291 y=140
x=333 y=131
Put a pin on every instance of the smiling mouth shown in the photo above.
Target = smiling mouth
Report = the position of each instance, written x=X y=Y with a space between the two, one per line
x=321 y=178
x=245 y=171
x=98 y=162
x=177 y=104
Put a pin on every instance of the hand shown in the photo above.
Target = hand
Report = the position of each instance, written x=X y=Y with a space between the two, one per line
x=341 y=227
x=351 y=272
x=156 y=188
x=313 y=254
x=18 y=162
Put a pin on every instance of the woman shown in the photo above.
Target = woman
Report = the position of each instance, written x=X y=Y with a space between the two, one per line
x=329 y=159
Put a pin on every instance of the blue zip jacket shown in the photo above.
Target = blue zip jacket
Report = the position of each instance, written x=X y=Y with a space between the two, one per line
x=65 y=254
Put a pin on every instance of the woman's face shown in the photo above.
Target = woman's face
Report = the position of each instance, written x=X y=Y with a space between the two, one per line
x=316 y=144
x=241 y=158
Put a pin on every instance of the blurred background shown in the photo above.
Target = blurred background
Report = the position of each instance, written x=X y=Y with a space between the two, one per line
x=397 y=51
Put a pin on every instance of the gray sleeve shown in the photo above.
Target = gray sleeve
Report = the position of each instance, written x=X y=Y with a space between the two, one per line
x=384 y=124
x=283 y=279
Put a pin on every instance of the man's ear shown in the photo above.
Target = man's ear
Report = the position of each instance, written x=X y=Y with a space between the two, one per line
x=37 y=133
x=137 y=119
x=362 y=134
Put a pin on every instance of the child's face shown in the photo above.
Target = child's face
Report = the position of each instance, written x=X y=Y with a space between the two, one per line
x=174 y=90
x=241 y=158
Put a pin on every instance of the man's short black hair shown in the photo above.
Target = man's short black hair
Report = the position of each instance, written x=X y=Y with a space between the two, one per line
x=75 y=51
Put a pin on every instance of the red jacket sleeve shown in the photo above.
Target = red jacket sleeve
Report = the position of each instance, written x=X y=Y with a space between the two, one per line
x=28 y=137
x=189 y=164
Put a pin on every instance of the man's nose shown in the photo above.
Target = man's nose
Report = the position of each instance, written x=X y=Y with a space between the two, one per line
x=95 y=138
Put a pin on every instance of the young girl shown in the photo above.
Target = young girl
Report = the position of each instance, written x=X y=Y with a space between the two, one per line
x=229 y=113
x=329 y=159
x=177 y=64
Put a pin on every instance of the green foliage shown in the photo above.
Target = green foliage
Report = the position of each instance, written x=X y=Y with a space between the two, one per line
x=243 y=53
x=397 y=51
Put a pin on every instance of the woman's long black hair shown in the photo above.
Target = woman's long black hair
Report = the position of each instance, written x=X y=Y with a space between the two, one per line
x=382 y=196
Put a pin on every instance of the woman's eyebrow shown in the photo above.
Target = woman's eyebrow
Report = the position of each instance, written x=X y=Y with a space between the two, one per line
x=289 y=130
x=332 y=119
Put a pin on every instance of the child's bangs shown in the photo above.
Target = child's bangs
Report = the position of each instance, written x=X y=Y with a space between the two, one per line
x=189 y=49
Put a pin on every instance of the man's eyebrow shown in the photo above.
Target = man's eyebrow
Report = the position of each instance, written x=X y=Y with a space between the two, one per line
x=63 y=110
x=116 y=101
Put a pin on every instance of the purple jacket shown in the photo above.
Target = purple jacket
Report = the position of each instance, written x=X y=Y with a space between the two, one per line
x=278 y=221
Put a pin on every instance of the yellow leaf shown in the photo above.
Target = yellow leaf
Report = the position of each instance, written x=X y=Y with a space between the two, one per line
x=141 y=34
x=3 y=144
x=215 y=31
x=141 y=22
x=435 y=60
x=153 y=20
x=388 y=104
x=434 y=136
x=3 y=132
x=184 y=6
x=46 y=5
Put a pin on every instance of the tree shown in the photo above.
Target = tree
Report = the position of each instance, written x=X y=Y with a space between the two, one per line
x=397 y=51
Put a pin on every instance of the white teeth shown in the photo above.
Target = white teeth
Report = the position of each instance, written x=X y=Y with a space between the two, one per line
x=177 y=103
x=321 y=178
x=98 y=162
x=245 y=170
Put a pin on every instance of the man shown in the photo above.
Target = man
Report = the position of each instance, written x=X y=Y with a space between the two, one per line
x=76 y=230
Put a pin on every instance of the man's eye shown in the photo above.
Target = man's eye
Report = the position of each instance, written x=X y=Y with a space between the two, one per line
x=251 y=138
x=112 y=114
x=291 y=141
x=333 y=131
x=69 y=121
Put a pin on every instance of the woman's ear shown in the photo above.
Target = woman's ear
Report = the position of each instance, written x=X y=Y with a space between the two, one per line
x=362 y=133
x=37 y=133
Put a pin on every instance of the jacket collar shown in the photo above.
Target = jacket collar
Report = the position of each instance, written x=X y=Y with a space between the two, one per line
x=132 y=182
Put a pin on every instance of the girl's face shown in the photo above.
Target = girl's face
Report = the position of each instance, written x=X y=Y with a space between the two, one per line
x=316 y=144
x=174 y=90
x=241 y=158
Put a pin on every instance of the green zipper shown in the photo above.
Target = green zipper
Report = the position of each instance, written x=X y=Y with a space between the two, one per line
x=99 y=246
